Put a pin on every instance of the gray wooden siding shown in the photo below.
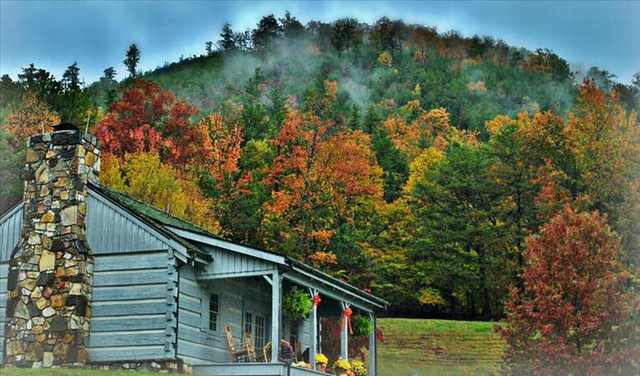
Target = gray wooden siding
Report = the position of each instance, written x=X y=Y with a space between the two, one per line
x=10 y=227
x=133 y=307
x=111 y=229
x=4 y=267
x=226 y=263
x=196 y=343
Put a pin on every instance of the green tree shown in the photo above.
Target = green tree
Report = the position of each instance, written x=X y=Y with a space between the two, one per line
x=346 y=34
x=132 y=58
x=227 y=39
x=108 y=86
x=266 y=33
x=208 y=47
x=71 y=78
x=11 y=160
x=291 y=26
x=460 y=248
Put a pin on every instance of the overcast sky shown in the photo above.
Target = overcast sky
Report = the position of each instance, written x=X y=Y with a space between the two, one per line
x=54 y=34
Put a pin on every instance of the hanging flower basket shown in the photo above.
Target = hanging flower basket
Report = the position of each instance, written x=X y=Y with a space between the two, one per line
x=361 y=325
x=297 y=304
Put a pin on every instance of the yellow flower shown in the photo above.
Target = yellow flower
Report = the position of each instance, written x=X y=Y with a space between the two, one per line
x=321 y=358
x=342 y=364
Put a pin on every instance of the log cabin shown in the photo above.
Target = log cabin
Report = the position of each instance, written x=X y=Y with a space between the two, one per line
x=92 y=277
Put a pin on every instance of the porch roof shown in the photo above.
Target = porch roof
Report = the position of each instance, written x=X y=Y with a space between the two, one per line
x=295 y=270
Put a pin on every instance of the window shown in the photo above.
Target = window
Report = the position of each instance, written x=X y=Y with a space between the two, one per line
x=260 y=332
x=214 y=309
x=248 y=323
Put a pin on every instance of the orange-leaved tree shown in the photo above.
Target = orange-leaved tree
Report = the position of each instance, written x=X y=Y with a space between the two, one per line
x=31 y=118
x=316 y=178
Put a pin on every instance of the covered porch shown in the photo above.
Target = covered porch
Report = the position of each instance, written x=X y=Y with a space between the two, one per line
x=269 y=276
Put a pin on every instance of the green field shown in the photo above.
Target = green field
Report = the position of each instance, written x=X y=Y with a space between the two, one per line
x=438 y=347
x=411 y=347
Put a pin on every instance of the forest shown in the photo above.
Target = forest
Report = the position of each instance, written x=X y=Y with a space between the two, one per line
x=445 y=173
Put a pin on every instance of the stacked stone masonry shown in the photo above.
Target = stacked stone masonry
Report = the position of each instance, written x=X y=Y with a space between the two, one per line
x=50 y=272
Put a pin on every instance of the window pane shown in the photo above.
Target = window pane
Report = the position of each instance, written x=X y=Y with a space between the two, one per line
x=213 y=312
x=248 y=323
x=260 y=332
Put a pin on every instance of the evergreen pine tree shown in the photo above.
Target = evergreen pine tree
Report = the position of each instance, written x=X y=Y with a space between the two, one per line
x=132 y=59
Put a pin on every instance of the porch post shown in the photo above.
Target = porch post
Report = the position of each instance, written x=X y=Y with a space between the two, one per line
x=276 y=292
x=313 y=350
x=344 y=333
x=372 y=346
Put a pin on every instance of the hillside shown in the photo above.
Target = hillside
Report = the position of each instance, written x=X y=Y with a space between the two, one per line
x=405 y=160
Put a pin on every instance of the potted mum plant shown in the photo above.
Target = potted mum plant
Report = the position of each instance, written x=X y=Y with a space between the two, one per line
x=342 y=367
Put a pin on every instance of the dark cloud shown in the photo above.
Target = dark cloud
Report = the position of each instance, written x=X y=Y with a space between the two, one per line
x=96 y=33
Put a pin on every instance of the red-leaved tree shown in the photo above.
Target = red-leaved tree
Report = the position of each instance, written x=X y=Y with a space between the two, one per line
x=148 y=119
x=574 y=313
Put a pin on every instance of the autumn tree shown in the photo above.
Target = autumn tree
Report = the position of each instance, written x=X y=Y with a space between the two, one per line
x=224 y=143
x=149 y=119
x=428 y=129
x=315 y=178
x=605 y=141
x=145 y=177
x=570 y=315
x=32 y=117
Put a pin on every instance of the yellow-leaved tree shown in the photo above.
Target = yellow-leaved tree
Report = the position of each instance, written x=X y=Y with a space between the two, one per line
x=145 y=177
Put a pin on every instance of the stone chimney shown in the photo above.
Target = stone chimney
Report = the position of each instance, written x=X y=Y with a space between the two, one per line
x=51 y=269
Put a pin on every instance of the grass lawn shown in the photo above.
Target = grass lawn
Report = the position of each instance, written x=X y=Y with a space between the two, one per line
x=438 y=347
x=412 y=347
x=71 y=372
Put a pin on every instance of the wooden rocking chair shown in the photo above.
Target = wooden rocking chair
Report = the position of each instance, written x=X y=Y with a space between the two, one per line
x=250 y=347
x=266 y=350
x=246 y=354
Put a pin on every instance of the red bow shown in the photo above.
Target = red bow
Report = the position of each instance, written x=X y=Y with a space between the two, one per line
x=316 y=300
x=347 y=318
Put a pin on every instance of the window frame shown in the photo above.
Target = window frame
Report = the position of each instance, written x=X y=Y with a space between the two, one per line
x=250 y=323
x=205 y=323
x=260 y=341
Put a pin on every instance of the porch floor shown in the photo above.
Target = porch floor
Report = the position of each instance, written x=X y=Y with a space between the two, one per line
x=251 y=369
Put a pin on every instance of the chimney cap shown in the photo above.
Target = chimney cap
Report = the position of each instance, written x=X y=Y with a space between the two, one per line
x=65 y=127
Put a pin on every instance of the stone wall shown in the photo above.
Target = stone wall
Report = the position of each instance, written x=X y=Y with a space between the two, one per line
x=50 y=272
